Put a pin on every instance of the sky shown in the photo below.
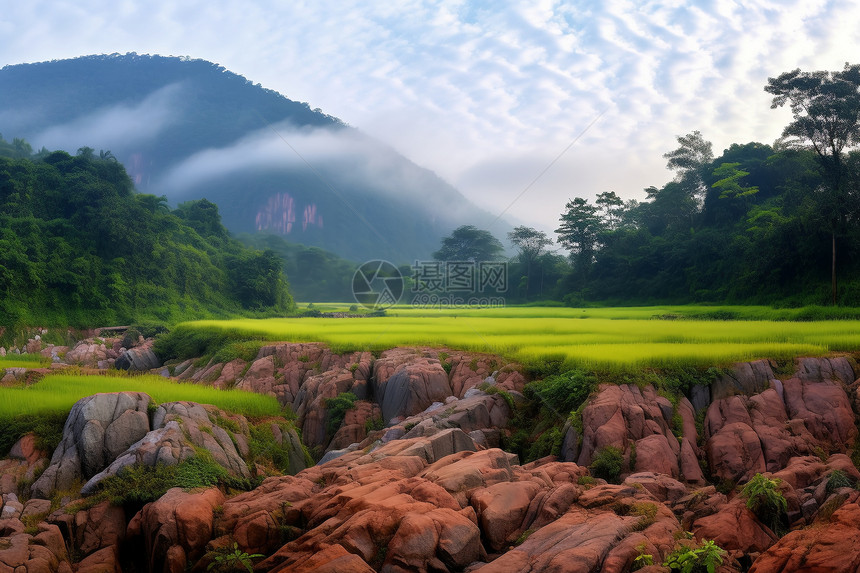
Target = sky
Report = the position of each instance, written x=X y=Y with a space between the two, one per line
x=520 y=105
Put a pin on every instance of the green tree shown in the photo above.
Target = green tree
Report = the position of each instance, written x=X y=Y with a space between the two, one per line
x=611 y=208
x=579 y=229
x=826 y=115
x=690 y=161
x=468 y=243
x=531 y=244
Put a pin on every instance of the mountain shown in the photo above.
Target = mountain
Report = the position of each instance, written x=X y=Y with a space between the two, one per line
x=190 y=129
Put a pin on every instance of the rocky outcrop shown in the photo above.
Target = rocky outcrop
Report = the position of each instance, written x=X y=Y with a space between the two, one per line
x=23 y=464
x=98 y=429
x=806 y=413
x=179 y=428
x=177 y=527
x=633 y=419
x=108 y=432
x=44 y=550
x=832 y=544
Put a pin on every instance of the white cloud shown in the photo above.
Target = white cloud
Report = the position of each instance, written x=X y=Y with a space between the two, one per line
x=117 y=127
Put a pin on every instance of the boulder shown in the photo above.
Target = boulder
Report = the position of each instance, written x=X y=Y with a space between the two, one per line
x=177 y=527
x=98 y=429
x=745 y=378
x=138 y=359
x=735 y=528
x=621 y=415
x=501 y=509
x=405 y=383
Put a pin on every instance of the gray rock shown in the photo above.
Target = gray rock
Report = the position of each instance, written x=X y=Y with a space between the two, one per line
x=746 y=378
x=98 y=428
x=334 y=454
x=415 y=383
x=700 y=397
x=569 y=444
x=442 y=444
x=12 y=509
x=139 y=359
x=808 y=509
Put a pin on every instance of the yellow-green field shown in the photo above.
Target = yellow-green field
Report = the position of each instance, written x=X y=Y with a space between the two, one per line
x=607 y=337
x=23 y=361
x=57 y=393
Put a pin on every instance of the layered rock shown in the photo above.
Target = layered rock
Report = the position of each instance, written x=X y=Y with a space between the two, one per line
x=807 y=413
x=633 y=419
x=98 y=429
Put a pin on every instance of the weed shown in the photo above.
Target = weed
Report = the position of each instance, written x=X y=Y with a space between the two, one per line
x=607 y=464
x=336 y=409
x=767 y=502
x=374 y=424
x=231 y=559
x=696 y=559
x=838 y=479
x=525 y=535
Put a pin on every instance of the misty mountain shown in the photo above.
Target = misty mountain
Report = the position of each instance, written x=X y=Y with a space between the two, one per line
x=190 y=129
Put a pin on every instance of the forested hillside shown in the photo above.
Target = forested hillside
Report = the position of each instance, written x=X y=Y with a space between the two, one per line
x=190 y=129
x=79 y=246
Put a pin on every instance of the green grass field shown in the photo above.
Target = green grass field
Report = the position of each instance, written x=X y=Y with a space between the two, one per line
x=598 y=338
x=57 y=393
x=23 y=361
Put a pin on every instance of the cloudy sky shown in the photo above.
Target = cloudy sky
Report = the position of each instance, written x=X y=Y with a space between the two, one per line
x=488 y=93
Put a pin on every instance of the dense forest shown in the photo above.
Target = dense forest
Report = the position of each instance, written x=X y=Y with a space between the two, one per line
x=764 y=224
x=748 y=226
x=78 y=246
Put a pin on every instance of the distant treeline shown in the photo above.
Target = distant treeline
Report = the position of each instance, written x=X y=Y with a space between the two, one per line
x=79 y=247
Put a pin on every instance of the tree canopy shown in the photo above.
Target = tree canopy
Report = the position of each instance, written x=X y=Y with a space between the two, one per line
x=468 y=243
x=79 y=247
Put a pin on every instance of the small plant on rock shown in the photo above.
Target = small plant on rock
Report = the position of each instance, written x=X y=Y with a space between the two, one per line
x=838 y=479
x=230 y=559
x=696 y=559
x=766 y=501
x=607 y=464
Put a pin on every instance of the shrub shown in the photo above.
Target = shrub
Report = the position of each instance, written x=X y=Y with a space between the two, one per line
x=337 y=408
x=692 y=559
x=607 y=464
x=766 y=501
x=563 y=392
x=374 y=424
x=199 y=471
x=264 y=447
x=549 y=443
x=838 y=479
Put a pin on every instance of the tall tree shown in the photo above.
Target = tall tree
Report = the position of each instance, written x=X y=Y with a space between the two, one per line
x=826 y=110
x=580 y=227
x=690 y=162
x=468 y=243
x=611 y=208
x=531 y=244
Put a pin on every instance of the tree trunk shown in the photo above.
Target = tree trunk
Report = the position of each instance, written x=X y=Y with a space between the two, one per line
x=833 y=267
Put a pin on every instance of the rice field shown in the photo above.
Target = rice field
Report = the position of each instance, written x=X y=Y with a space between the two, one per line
x=57 y=393
x=23 y=361
x=598 y=338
